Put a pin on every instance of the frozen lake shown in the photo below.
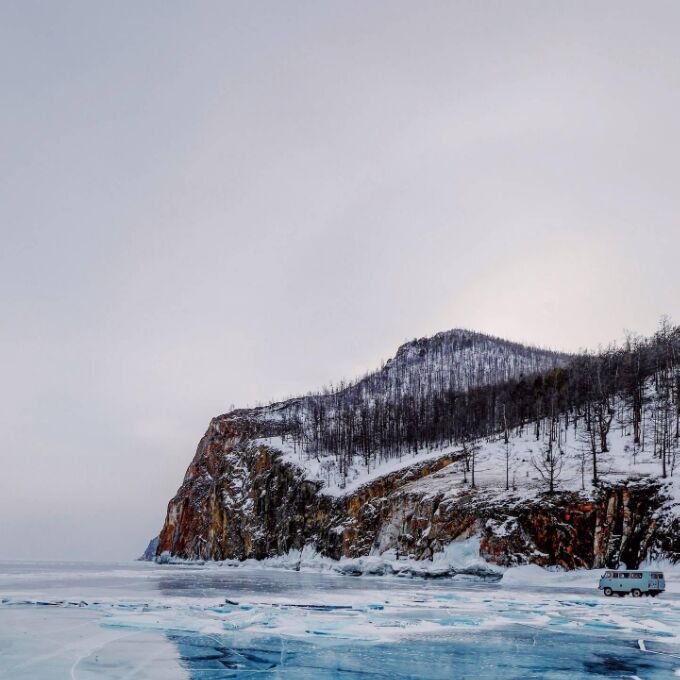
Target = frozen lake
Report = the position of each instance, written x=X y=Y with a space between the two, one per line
x=138 y=620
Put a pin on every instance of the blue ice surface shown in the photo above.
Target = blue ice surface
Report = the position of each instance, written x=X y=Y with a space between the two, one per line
x=135 y=621
x=511 y=654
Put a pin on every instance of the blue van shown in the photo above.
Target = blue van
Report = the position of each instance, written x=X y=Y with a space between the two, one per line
x=636 y=583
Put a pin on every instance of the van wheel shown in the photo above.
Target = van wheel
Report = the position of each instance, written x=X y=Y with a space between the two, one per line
x=608 y=592
x=636 y=592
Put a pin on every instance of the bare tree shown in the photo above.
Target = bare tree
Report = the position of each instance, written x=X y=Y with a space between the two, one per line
x=589 y=437
x=549 y=466
x=506 y=444
x=467 y=456
x=584 y=456
x=470 y=449
x=507 y=464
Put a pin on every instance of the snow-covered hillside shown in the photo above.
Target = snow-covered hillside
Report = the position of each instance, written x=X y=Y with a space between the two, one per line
x=520 y=464
x=407 y=405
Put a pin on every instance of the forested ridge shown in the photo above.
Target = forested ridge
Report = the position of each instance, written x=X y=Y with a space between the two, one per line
x=461 y=386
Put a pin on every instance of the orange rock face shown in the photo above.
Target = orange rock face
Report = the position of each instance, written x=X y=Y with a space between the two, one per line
x=240 y=500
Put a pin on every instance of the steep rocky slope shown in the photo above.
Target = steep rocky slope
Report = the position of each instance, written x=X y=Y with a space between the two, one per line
x=253 y=491
x=240 y=499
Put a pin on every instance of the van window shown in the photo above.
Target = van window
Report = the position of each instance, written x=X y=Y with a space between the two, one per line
x=607 y=574
x=625 y=575
x=657 y=576
x=637 y=574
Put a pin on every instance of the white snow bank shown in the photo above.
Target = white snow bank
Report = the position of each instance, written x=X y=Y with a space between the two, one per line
x=458 y=558
x=528 y=575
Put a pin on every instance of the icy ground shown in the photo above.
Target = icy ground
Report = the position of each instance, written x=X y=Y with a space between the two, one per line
x=212 y=621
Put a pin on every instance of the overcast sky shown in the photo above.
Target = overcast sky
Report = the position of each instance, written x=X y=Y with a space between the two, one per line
x=205 y=204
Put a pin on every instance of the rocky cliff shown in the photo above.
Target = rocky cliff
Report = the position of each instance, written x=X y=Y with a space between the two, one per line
x=241 y=499
x=411 y=458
